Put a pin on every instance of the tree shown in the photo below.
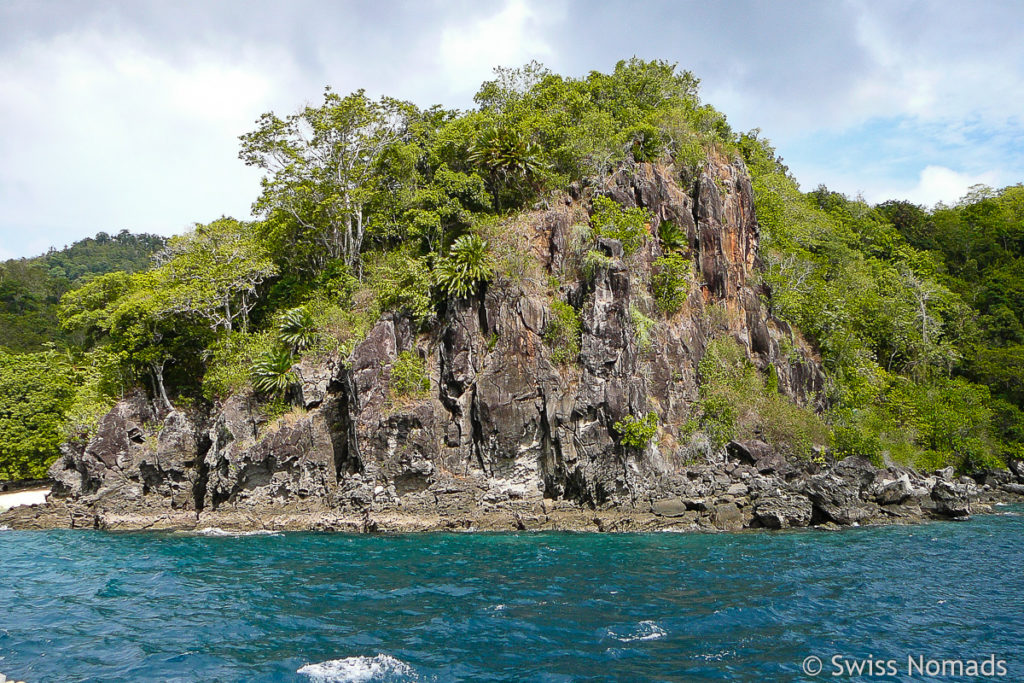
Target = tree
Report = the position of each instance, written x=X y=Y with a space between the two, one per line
x=324 y=167
x=135 y=316
x=35 y=392
x=214 y=271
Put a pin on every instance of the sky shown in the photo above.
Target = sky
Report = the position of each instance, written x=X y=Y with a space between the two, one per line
x=126 y=115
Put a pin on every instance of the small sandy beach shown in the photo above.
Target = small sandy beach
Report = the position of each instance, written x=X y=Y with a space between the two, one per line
x=29 y=497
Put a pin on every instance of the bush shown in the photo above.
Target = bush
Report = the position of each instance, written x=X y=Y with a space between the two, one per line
x=637 y=432
x=563 y=332
x=230 y=361
x=642 y=326
x=466 y=267
x=401 y=282
x=296 y=328
x=271 y=374
x=409 y=376
x=629 y=226
x=671 y=282
x=738 y=402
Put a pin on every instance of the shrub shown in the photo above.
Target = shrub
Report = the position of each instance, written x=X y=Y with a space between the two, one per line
x=296 y=329
x=230 y=361
x=563 y=332
x=629 y=226
x=401 y=282
x=737 y=401
x=671 y=282
x=595 y=260
x=637 y=432
x=271 y=374
x=672 y=236
x=641 y=328
x=466 y=267
x=409 y=375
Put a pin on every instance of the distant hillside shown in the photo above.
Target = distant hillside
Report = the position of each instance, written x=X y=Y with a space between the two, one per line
x=31 y=288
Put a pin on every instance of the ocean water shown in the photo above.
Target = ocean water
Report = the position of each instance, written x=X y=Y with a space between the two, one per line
x=95 y=606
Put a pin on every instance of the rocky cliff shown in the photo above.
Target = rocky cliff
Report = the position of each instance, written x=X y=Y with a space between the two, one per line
x=506 y=437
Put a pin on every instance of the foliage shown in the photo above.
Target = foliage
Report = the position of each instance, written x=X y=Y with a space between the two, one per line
x=637 y=432
x=214 y=272
x=230 y=361
x=642 y=326
x=737 y=401
x=409 y=376
x=629 y=226
x=671 y=281
x=563 y=332
x=36 y=390
x=31 y=288
x=401 y=282
x=272 y=372
x=326 y=167
x=296 y=329
x=466 y=267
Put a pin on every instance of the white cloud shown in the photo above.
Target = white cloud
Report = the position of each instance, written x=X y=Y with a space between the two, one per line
x=511 y=37
x=941 y=184
x=118 y=137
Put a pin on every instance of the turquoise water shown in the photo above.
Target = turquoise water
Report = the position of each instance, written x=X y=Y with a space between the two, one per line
x=94 y=606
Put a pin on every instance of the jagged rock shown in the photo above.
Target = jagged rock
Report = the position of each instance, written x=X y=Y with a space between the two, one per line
x=783 y=511
x=838 y=498
x=892 y=491
x=951 y=499
x=505 y=437
x=673 y=507
x=316 y=377
x=727 y=517
x=1014 y=488
x=758 y=454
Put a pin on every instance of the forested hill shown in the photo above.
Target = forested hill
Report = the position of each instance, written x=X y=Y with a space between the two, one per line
x=370 y=207
x=31 y=288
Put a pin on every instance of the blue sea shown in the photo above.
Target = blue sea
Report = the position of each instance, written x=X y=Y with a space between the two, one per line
x=96 y=606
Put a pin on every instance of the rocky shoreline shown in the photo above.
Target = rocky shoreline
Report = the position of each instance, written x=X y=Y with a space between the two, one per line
x=752 y=489
x=512 y=432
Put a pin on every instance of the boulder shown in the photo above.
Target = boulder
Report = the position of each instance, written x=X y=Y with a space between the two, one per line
x=783 y=511
x=951 y=499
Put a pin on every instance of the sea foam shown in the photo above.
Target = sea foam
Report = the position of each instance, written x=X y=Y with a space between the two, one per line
x=645 y=630
x=217 y=531
x=359 y=670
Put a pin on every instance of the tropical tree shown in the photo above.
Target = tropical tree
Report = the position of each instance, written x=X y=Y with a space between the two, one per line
x=214 y=272
x=324 y=169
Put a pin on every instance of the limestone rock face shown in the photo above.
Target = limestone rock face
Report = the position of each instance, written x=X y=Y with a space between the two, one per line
x=506 y=437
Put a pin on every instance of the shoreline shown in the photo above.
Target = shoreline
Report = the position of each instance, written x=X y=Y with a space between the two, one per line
x=58 y=514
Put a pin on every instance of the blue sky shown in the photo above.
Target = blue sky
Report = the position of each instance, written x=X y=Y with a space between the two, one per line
x=126 y=114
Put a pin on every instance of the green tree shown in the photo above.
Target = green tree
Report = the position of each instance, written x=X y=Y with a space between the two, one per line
x=325 y=167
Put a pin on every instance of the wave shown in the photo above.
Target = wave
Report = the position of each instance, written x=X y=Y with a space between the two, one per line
x=359 y=670
x=4 y=527
x=646 y=630
x=217 y=531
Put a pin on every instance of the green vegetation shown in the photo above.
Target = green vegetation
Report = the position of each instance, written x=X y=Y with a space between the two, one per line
x=374 y=206
x=906 y=320
x=671 y=281
x=36 y=391
x=562 y=333
x=629 y=226
x=637 y=432
x=739 y=402
x=465 y=268
x=409 y=376
x=30 y=289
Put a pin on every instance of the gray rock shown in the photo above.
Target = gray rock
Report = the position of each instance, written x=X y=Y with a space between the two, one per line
x=951 y=499
x=783 y=511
